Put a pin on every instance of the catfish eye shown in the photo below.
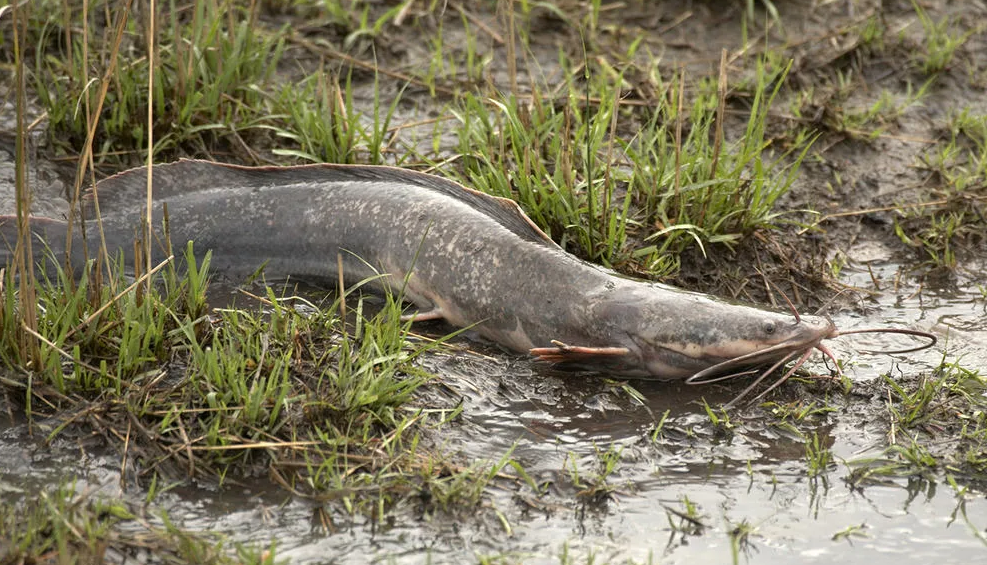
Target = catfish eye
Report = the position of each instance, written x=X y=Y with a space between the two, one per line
x=769 y=328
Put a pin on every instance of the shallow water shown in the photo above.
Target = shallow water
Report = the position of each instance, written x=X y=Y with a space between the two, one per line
x=755 y=473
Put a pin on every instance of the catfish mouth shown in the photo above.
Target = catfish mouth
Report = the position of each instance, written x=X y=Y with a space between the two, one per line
x=777 y=353
x=800 y=346
x=716 y=362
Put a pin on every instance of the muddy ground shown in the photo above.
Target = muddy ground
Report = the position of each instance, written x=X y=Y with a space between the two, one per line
x=868 y=181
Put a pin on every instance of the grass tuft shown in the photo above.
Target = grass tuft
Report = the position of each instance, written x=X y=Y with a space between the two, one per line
x=59 y=524
x=941 y=40
x=213 y=64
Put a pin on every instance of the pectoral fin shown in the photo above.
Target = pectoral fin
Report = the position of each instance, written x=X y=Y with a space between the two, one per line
x=424 y=315
x=563 y=353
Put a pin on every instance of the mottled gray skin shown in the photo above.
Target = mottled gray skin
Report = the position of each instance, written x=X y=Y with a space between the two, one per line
x=474 y=259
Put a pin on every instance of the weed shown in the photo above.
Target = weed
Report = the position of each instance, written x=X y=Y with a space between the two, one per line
x=208 y=80
x=568 y=165
x=955 y=221
x=960 y=510
x=818 y=457
x=937 y=238
x=59 y=524
x=951 y=400
x=687 y=521
x=874 y=119
x=720 y=421
x=740 y=540
x=769 y=8
x=301 y=394
x=686 y=199
x=451 y=488
x=797 y=410
x=872 y=32
x=326 y=126
x=109 y=340
x=909 y=409
x=656 y=432
x=595 y=487
x=961 y=161
x=918 y=459
x=565 y=557
x=837 y=264
x=941 y=42
x=547 y=183
x=851 y=532
x=912 y=461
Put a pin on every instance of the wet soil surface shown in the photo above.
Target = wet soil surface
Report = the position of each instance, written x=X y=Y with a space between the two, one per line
x=748 y=478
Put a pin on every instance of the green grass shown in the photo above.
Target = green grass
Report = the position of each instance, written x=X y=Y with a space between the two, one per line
x=687 y=521
x=940 y=41
x=960 y=513
x=210 y=76
x=568 y=162
x=741 y=543
x=60 y=524
x=719 y=419
x=948 y=229
x=873 y=32
x=837 y=106
x=322 y=125
x=879 y=116
x=852 y=532
x=949 y=404
x=593 y=486
x=110 y=338
x=798 y=410
x=933 y=398
x=819 y=458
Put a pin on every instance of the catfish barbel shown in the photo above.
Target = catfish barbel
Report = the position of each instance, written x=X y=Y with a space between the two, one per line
x=469 y=258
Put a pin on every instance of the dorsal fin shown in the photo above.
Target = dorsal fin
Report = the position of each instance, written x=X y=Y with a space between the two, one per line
x=126 y=191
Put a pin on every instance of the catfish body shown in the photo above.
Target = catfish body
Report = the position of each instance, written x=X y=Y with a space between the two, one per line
x=468 y=257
